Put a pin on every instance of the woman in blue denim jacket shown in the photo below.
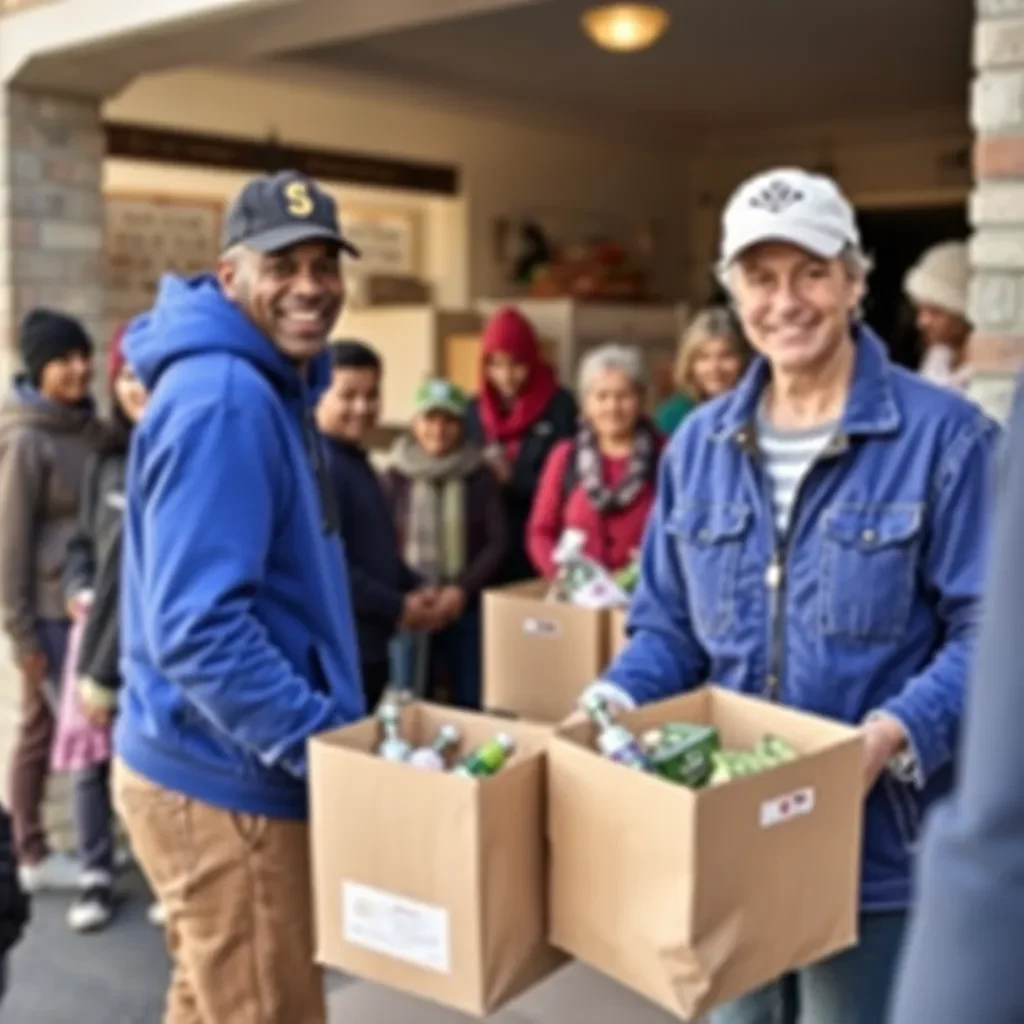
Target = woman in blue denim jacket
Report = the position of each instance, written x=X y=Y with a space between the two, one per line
x=818 y=539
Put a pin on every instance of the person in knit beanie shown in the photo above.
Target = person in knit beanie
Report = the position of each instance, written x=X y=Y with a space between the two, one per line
x=48 y=431
x=48 y=337
x=937 y=286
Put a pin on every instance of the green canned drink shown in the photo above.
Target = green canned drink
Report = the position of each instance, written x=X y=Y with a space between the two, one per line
x=487 y=759
x=683 y=753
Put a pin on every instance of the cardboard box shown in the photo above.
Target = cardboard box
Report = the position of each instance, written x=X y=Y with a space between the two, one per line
x=616 y=632
x=694 y=897
x=539 y=655
x=428 y=882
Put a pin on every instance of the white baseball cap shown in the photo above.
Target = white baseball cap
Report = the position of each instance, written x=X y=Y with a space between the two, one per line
x=788 y=205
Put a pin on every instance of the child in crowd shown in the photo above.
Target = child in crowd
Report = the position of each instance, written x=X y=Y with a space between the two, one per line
x=386 y=594
x=448 y=508
x=92 y=576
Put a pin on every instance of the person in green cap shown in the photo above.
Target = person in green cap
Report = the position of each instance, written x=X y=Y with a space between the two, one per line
x=447 y=506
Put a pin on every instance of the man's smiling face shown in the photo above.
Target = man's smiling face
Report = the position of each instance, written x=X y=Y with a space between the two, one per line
x=294 y=295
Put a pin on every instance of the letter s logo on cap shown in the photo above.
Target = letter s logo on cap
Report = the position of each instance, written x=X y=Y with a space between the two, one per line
x=299 y=202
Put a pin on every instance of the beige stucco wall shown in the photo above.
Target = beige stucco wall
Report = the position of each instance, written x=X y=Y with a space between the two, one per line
x=512 y=167
x=509 y=166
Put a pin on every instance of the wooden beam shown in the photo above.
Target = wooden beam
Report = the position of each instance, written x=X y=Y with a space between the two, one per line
x=200 y=149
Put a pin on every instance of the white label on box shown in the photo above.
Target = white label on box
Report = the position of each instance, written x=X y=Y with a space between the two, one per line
x=395 y=926
x=786 y=808
x=540 y=627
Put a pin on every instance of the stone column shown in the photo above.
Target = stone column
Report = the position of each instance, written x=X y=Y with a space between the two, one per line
x=51 y=249
x=51 y=211
x=997 y=204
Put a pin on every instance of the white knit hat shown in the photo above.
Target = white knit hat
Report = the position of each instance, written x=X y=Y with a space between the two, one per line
x=940 y=278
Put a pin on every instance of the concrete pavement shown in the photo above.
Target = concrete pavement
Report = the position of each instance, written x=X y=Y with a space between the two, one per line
x=119 y=977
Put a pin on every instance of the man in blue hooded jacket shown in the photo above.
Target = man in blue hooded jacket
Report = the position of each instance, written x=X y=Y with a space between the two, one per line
x=818 y=539
x=237 y=634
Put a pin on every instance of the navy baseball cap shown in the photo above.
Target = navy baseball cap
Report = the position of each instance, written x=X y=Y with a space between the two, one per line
x=274 y=212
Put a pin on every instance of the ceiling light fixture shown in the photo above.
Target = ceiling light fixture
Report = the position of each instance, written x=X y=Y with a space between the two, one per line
x=625 y=28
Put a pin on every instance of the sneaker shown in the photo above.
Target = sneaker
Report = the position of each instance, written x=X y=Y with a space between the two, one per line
x=157 y=914
x=57 y=873
x=93 y=909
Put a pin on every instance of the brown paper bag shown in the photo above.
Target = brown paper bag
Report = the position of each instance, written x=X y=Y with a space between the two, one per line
x=426 y=882
x=539 y=655
x=694 y=897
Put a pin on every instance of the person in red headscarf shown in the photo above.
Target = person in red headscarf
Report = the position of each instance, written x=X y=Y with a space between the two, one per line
x=518 y=416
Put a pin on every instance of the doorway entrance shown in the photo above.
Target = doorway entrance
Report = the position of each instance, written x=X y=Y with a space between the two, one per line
x=894 y=239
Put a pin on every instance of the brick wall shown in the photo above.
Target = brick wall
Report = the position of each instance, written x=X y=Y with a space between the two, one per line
x=51 y=247
x=997 y=205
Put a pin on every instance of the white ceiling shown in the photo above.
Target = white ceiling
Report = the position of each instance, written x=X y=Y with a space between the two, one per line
x=735 y=61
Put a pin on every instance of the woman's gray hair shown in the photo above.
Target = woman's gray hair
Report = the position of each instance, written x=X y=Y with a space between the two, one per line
x=624 y=358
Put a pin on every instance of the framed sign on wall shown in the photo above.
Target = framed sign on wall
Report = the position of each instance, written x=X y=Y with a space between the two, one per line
x=151 y=235
x=390 y=240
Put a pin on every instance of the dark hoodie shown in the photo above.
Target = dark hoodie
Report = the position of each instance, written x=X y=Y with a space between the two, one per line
x=44 y=447
x=94 y=558
x=237 y=638
x=380 y=578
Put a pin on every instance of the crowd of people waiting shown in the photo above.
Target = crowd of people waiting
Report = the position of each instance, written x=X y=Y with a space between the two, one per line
x=180 y=607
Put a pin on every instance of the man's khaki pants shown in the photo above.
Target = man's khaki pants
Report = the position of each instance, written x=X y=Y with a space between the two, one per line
x=236 y=888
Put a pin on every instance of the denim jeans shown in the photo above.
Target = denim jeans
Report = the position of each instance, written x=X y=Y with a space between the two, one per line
x=415 y=657
x=852 y=987
x=94 y=815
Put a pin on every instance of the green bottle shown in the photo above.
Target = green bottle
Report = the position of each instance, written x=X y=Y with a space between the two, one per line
x=486 y=759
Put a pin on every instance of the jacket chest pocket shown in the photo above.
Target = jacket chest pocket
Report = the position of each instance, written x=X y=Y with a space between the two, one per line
x=869 y=569
x=709 y=538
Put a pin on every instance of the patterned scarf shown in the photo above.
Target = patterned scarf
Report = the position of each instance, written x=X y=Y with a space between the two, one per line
x=435 y=527
x=639 y=471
